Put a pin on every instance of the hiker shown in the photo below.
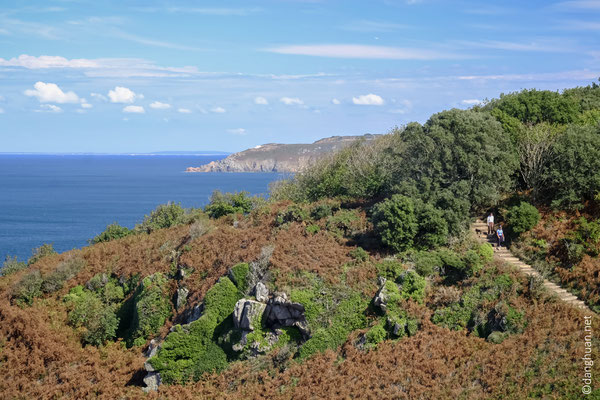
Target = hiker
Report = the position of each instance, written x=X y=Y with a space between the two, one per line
x=490 y=223
x=500 y=236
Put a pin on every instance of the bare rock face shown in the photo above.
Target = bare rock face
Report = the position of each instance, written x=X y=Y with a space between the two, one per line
x=247 y=313
x=281 y=312
x=381 y=297
x=152 y=382
x=276 y=157
x=181 y=299
x=261 y=292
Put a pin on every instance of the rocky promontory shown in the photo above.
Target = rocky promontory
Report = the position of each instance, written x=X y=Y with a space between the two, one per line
x=277 y=157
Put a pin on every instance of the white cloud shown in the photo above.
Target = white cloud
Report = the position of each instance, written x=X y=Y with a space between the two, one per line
x=218 y=110
x=261 y=100
x=134 y=109
x=362 y=51
x=32 y=62
x=368 y=100
x=50 y=108
x=123 y=95
x=237 y=131
x=291 y=101
x=160 y=106
x=335 y=101
x=51 y=93
x=405 y=107
x=85 y=104
x=471 y=102
x=99 y=96
x=184 y=110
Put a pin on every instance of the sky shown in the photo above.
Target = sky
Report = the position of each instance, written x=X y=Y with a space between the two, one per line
x=145 y=76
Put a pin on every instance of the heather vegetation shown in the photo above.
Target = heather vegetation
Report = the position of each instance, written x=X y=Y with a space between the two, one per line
x=356 y=278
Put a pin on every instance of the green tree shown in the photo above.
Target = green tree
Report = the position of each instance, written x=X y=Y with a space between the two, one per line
x=395 y=222
x=573 y=174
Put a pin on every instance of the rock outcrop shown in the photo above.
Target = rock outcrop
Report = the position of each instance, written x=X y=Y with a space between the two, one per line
x=277 y=157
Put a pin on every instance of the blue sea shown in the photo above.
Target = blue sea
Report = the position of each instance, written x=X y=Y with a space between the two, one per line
x=67 y=199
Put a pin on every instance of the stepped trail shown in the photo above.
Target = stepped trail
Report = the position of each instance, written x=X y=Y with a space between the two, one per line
x=505 y=255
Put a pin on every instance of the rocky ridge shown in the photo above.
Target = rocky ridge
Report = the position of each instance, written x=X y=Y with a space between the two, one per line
x=277 y=157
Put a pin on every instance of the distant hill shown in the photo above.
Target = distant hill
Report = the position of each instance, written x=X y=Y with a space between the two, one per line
x=277 y=157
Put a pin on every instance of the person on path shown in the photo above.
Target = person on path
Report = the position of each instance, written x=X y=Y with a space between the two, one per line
x=500 y=235
x=490 y=223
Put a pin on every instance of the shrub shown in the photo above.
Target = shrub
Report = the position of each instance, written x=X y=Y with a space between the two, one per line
x=187 y=353
x=426 y=262
x=293 y=213
x=347 y=316
x=199 y=228
x=376 y=334
x=152 y=307
x=412 y=286
x=112 y=232
x=389 y=269
x=89 y=312
x=239 y=276
x=395 y=222
x=486 y=252
x=12 y=265
x=63 y=272
x=28 y=288
x=313 y=229
x=451 y=260
x=359 y=254
x=39 y=252
x=229 y=203
x=473 y=263
x=164 y=216
x=343 y=222
x=323 y=210
x=522 y=218
x=432 y=228
x=307 y=297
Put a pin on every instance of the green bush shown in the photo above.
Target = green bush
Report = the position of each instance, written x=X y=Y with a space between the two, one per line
x=426 y=262
x=473 y=263
x=395 y=222
x=187 y=353
x=293 y=213
x=389 y=269
x=152 y=307
x=222 y=204
x=522 y=218
x=412 y=286
x=28 y=288
x=348 y=316
x=376 y=334
x=343 y=222
x=452 y=260
x=486 y=252
x=359 y=254
x=313 y=229
x=89 y=312
x=164 y=216
x=239 y=276
x=306 y=297
x=63 y=272
x=112 y=232
x=323 y=210
x=432 y=228
x=12 y=265
x=39 y=252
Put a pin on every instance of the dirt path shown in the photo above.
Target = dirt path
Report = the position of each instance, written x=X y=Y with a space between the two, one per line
x=505 y=255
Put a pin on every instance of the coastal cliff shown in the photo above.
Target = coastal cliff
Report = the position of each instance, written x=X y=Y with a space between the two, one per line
x=277 y=157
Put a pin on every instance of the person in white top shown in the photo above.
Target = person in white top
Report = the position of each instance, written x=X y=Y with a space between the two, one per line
x=490 y=223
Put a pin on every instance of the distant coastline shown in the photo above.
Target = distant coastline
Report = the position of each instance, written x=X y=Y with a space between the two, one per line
x=157 y=153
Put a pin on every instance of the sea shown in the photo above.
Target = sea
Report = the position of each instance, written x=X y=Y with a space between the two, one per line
x=68 y=199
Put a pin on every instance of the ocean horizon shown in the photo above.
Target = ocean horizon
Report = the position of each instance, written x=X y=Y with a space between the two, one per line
x=67 y=199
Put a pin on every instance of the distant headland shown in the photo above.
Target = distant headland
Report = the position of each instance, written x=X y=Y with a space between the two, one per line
x=277 y=157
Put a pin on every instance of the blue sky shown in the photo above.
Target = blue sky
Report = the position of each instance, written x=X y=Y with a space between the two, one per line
x=143 y=76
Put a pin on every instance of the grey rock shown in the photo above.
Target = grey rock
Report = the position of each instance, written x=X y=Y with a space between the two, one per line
x=152 y=349
x=152 y=381
x=381 y=298
x=181 y=298
x=247 y=313
x=261 y=292
x=195 y=313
